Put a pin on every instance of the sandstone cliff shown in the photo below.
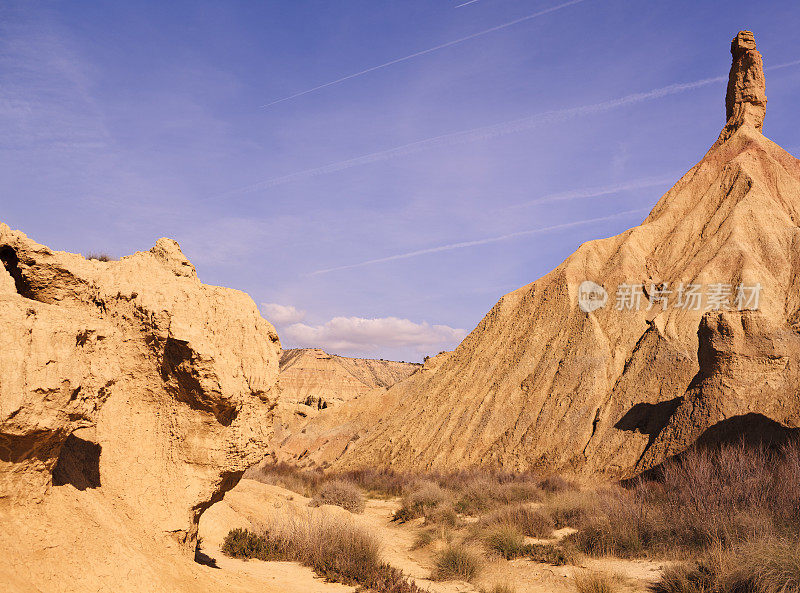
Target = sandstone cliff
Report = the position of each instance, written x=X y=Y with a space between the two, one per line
x=543 y=383
x=132 y=396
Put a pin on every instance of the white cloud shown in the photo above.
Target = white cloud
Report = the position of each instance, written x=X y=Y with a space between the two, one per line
x=346 y=334
x=282 y=314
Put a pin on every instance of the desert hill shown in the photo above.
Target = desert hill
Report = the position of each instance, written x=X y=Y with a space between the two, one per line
x=315 y=378
x=132 y=397
x=543 y=382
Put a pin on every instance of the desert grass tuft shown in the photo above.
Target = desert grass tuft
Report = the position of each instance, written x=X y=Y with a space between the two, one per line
x=423 y=539
x=506 y=541
x=456 y=562
x=595 y=582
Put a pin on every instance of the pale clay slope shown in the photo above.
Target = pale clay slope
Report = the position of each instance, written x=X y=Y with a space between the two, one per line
x=541 y=383
x=132 y=396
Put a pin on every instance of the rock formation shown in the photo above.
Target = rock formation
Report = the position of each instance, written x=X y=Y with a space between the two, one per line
x=746 y=99
x=132 y=396
x=542 y=382
x=314 y=378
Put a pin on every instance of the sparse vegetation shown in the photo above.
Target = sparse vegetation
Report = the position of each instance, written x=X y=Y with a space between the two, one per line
x=506 y=541
x=456 y=562
x=423 y=539
x=341 y=494
x=571 y=508
x=595 y=582
x=335 y=550
x=736 y=508
x=708 y=499
x=104 y=257
x=241 y=543
x=555 y=554
x=500 y=588
x=769 y=565
x=421 y=500
x=529 y=521
x=556 y=483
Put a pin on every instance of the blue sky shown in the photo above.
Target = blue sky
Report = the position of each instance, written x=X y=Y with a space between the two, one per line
x=385 y=214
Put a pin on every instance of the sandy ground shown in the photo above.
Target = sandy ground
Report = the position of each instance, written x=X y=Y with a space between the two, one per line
x=251 y=503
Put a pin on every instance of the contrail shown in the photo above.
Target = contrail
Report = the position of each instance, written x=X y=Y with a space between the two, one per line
x=463 y=244
x=595 y=192
x=426 y=51
x=487 y=132
x=481 y=133
x=465 y=3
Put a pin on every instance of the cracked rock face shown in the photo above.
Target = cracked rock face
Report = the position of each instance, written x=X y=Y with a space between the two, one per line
x=542 y=383
x=131 y=378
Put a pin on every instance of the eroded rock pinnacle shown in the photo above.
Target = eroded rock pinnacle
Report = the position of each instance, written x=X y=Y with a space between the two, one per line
x=746 y=99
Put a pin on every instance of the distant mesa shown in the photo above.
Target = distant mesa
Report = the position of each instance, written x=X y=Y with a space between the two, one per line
x=314 y=378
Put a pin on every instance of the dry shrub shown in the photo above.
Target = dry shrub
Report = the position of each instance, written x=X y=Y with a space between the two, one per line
x=682 y=578
x=104 y=257
x=729 y=494
x=241 y=543
x=770 y=565
x=556 y=483
x=505 y=540
x=572 y=508
x=304 y=482
x=380 y=482
x=621 y=526
x=423 y=539
x=456 y=563
x=481 y=494
x=529 y=521
x=588 y=581
x=423 y=497
x=341 y=494
x=708 y=499
x=557 y=555
x=442 y=514
x=336 y=550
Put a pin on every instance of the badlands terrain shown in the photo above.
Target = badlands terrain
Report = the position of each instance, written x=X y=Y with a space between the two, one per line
x=558 y=448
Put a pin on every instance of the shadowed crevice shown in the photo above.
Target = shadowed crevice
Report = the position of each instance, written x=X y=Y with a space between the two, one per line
x=11 y=263
x=78 y=464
